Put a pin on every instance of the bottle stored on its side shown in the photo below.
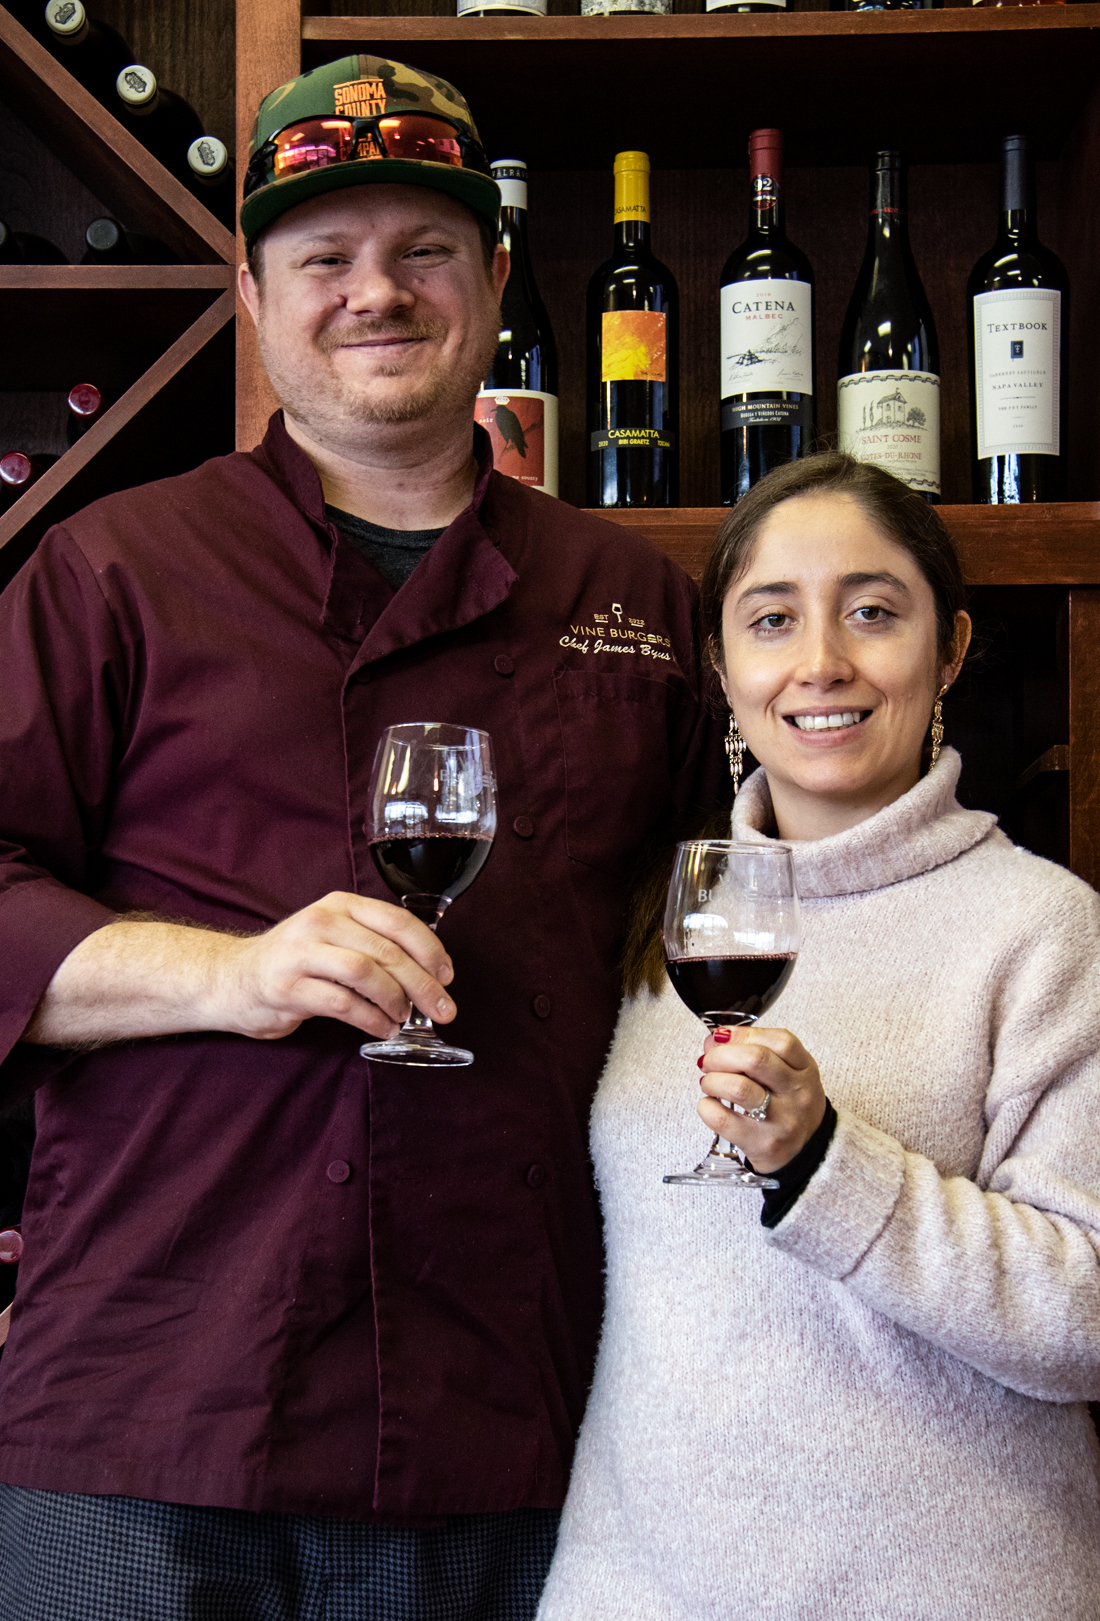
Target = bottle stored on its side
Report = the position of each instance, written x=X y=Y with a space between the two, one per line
x=633 y=351
x=604 y=8
x=888 y=396
x=162 y=121
x=1017 y=297
x=501 y=8
x=86 y=405
x=887 y=5
x=767 y=336
x=18 y=472
x=213 y=178
x=746 y=5
x=24 y=248
x=93 y=53
x=518 y=402
x=106 y=242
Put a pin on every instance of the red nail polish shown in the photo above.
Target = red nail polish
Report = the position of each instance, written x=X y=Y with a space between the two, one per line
x=720 y=1035
x=699 y=1061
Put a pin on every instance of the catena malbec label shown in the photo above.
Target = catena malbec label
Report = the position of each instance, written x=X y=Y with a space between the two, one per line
x=1017 y=353
x=892 y=418
x=766 y=347
x=523 y=427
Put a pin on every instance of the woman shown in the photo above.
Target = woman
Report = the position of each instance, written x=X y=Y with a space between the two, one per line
x=868 y=1405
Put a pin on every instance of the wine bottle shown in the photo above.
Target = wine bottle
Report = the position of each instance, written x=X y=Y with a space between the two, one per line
x=604 y=8
x=213 y=178
x=107 y=243
x=162 y=121
x=886 y=5
x=518 y=401
x=86 y=405
x=633 y=340
x=1017 y=296
x=501 y=8
x=24 y=248
x=93 y=53
x=18 y=472
x=888 y=396
x=767 y=336
x=746 y=5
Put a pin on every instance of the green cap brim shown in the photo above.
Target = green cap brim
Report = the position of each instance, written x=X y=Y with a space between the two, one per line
x=477 y=191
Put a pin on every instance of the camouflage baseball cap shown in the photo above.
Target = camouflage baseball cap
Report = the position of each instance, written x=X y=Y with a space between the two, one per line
x=359 y=87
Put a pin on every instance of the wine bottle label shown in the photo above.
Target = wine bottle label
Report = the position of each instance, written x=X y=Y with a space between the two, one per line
x=632 y=347
x=1017 y=354
x=475 y=8
x=602 y=8
x=766 y=337
x=892 y=418
x=759 y=411
x=632 y=439
x=774 y=5
x=523 y=427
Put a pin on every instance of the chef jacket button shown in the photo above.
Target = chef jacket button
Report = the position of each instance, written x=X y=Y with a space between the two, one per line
x=541 y=1006
x=536 y=1176
x=524 y=826
x=503 y=665
x=11 y=1246
x=338 y=1171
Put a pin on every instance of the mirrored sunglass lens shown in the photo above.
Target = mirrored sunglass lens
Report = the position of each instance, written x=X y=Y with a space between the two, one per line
x=424 y=138
x=312 y=145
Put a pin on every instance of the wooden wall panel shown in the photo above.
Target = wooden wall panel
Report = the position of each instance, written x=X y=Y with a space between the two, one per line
x=1084 y=733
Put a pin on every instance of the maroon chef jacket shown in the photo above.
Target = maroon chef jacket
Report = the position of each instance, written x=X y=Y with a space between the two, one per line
x=270 y=1275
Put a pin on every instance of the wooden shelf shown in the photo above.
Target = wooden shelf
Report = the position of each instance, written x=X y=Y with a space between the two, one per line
x=687 y=88
x=1057 y=544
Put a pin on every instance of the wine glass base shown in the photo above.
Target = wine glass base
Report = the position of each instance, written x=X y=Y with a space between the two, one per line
x=427 y=1052
x=716 y=1171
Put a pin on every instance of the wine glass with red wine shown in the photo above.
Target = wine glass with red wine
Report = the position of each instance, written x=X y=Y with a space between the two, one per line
x=731 y=934
x=432 y=817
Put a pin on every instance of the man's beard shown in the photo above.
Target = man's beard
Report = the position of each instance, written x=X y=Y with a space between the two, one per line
x=331 y=399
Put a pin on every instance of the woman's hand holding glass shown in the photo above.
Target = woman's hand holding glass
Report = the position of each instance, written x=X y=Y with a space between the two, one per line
x=741 y=1065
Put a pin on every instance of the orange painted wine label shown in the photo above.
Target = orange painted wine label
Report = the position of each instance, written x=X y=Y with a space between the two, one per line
x=632 y=349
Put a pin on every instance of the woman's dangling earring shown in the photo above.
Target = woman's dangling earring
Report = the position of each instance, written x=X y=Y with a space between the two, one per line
x=735 y=748
x=937 y=727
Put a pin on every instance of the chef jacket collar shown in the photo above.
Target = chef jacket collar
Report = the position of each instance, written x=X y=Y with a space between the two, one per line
x=461 y=578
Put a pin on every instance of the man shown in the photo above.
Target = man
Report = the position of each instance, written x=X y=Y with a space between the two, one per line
x=295 y=1333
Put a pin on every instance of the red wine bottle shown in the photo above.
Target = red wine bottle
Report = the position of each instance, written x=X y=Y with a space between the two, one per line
x=518 y=402
x=1018 y=294
x=86 y=405
x=213 y=179
x=888 y=396
x=18 y=472
x=93 y=53
x=162 y=121
x=767 y=336
x=633 y=348
x=729 y=990
x=24 y=248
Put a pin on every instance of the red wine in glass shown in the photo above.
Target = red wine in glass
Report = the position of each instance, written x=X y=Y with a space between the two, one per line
x=730 y=990
x=731 y=933
x=432 y=817
x=439 y=864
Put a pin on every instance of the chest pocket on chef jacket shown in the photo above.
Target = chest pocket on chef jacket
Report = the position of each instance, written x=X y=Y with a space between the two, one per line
x=614 y=731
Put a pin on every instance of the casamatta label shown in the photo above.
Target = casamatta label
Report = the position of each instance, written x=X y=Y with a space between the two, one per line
x=633 y=347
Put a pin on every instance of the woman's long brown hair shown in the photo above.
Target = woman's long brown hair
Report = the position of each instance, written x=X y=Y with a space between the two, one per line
x=903 y=517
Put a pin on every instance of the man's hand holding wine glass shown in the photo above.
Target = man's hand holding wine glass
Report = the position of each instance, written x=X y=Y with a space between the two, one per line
x=747 y=1066
x=365 y=962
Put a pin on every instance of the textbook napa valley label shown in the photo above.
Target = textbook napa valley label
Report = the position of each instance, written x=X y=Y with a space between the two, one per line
x=1017 y=352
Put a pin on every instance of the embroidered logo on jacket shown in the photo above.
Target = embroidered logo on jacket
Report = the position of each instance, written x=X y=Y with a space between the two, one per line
x=616 y=631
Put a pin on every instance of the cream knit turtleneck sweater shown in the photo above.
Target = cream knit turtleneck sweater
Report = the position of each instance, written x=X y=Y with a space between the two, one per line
x=873 y=1412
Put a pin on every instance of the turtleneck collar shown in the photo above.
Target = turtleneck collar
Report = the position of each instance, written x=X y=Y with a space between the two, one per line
x=921 y=830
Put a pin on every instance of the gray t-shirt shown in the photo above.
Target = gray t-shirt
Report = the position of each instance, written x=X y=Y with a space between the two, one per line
x=394 y=552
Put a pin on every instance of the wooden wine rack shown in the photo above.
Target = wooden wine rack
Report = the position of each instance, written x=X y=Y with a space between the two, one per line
x=566 y=93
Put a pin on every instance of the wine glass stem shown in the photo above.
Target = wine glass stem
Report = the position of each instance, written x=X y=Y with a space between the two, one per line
x=429 y=911
x=738 y=1153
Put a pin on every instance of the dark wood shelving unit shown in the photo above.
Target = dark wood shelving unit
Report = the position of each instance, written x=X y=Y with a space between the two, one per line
x=565 y=93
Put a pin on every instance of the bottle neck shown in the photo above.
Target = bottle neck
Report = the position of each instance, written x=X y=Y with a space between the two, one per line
x=1017 y=194
x=513 y=231
x=888 y=226
x=766 y=218
x=632 y=210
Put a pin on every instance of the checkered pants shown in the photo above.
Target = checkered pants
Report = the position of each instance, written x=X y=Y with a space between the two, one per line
x=65 y=1557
